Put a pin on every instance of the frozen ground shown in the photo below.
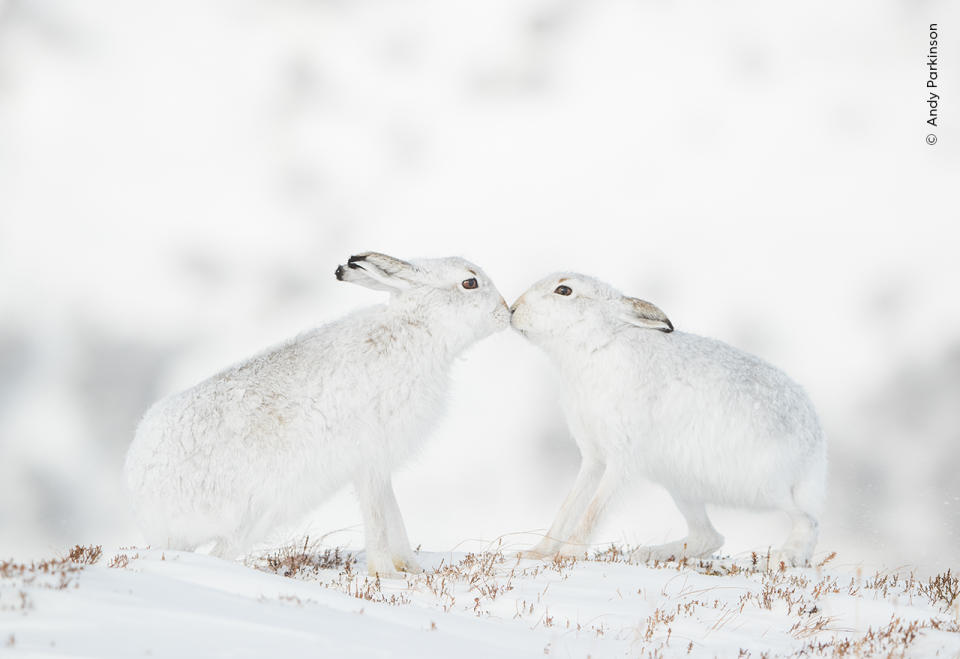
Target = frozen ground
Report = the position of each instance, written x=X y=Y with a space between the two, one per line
x=291 y=603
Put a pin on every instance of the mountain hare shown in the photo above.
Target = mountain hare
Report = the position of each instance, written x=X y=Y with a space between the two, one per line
x=710 y=423
x=267 y=440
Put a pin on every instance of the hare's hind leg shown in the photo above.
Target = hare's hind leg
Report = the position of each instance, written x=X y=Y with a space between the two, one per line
x=572 y=510
x=806 y=499
x=702 y=538
x=804 y=503
x=798 y=548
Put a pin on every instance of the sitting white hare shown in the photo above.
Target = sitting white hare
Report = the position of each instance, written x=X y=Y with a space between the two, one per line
x=267 y=440
x=710 y=423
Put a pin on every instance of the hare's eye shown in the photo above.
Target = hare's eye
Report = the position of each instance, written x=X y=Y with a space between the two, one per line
x=563 y=290
x=469 y=283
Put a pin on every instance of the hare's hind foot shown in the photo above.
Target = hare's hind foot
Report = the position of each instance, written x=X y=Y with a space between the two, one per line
x=785 y=557
x=798 y=548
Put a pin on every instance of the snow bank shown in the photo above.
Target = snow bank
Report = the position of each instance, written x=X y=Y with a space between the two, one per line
x=307 y=601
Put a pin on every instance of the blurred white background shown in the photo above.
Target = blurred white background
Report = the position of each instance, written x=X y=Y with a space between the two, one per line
x=179 y=180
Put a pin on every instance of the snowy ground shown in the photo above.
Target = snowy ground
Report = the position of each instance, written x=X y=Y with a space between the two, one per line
x=178 y=181
x=291 y=603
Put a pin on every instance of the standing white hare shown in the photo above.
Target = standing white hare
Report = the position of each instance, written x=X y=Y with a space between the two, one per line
x=265 y=441
x=710 y=423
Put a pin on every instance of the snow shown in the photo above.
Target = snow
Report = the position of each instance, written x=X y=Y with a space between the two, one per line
x=310 y=601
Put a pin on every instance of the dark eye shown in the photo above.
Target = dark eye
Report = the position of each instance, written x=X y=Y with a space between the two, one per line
x=563 y=290
x=469 y=283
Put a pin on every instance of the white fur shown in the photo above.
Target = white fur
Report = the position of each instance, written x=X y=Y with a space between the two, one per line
x=268 y=439
x=710 y=423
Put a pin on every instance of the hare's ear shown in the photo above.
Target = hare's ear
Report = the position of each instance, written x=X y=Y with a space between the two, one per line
x=377 y=271
x=643 y=314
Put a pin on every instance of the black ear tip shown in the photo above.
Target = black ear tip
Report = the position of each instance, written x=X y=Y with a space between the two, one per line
x=668 y=328
x=338 y=273
x=354 y=259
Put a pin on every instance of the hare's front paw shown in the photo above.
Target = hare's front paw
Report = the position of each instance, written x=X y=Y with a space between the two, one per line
x=407 y=564
x=533 y=554
x=573 y=550
x=383 y=567
x=543 y=550
x=700 y=545
x=670 y=551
